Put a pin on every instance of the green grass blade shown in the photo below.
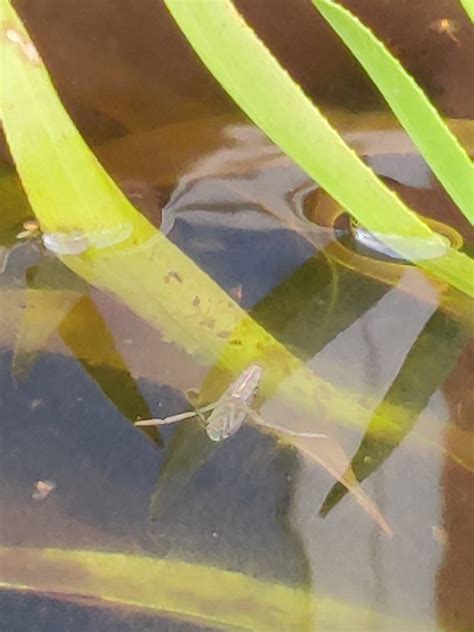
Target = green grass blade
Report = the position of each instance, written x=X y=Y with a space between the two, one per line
x=469 y=8
x=268 y=95
x=438 y=145
x=222 y=599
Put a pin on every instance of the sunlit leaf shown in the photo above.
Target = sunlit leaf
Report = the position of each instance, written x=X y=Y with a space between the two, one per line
x=263 y=89
x=469 y=8
x=440 y=148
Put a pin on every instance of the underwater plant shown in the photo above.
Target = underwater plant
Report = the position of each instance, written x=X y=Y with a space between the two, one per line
x=90 y=225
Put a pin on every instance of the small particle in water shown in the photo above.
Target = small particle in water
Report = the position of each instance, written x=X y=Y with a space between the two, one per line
x=172 y=275
x=25 y=45
x=237 y=292
x=446 y=26
x=215 y=535
x=72 y=243
x=31 y=225
x=127 y=341
x=439 y=534
x=31 y=229
x=208 y=321
x=35 y=403
x=43 y=489
x=4 y=255
x=196 y=301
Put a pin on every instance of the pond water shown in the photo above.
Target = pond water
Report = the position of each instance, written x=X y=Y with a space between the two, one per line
x=108 y=526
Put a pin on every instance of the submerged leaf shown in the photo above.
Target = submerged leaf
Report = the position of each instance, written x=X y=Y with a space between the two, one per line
x=419 y=377
x=15 y=207
x=187 y=451
x=86 y=333
x=201 y=593
x=331 y=456
x=52 y=292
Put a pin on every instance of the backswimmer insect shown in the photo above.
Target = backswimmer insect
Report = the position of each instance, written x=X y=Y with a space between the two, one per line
x=231 y=410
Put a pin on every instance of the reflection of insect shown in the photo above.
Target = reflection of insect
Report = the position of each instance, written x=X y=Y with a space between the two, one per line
x=231 y=410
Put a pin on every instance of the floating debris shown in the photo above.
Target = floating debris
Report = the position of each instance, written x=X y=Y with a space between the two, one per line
x=447 y=27
x=439 y=535
x=171 y=275
x=31 y=229
x=4 y=255
x=38 y=401
x=43 y=489
x=237 y=292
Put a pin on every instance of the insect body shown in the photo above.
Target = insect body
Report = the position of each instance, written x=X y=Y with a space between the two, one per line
x=228 y=413
x=231 y=410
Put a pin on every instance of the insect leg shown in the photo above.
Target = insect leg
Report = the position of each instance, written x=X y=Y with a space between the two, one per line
x=173 y=418
x=259 y=420
x=167 y=420
x=199 y=411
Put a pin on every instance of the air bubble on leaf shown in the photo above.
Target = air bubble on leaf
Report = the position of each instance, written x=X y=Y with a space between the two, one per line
x=72 y=243
x=107 y=237
x=413 y=248
x=76 y=242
